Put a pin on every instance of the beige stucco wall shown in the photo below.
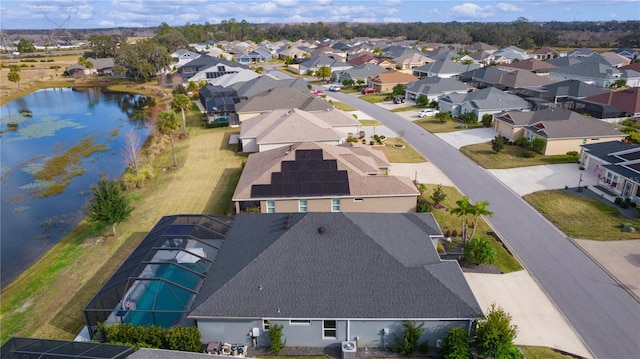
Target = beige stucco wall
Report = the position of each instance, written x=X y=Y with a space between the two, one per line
x=249 y=145
x=369 y=204
x=561 y=147
x=507 y=130
x=247 y=115
x=267 y=147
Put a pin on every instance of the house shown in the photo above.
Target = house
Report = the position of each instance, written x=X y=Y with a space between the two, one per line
x=480 y=102
x=255 y=56
x=627 y=52
x=544 y=53
x=207 y=67
x=511 y=54
x=219 y=103
x=92 y=66
x=280 y=98
x=617 y=167
x=411 y=60
x=616 y=60
x=434 y=87
x=386 y=81
x=481 y=47
x=443 y=68
x=323 y=177
x=367 y=57
x=285 y=127
x=538 y=67
x=581 y=52
x=627 y=101
x=17 y=347
x=315 y=62
x=593 y=73
x=229 y=79
x=332 y=277
x=183 y=56
x=559 y=92
x=293 y=52
x=563 y=130
x=264 y=83
x=492 y=76
x=357 y=73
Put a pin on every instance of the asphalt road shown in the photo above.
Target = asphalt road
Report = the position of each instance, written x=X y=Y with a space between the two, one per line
x=604 y=315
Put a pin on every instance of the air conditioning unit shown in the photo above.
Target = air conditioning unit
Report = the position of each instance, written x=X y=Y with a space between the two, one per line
x=349 y=349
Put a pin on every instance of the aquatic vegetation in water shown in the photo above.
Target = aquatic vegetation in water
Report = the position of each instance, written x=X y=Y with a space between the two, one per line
x=47 y=126
x=20 y=209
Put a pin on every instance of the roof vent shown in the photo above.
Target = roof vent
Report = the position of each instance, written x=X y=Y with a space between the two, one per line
x=321 y=230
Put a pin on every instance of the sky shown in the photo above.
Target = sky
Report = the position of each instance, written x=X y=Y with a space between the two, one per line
x=90 y=14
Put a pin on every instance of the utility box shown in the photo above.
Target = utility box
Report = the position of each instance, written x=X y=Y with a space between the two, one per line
x=349 y=349
x=255 y=332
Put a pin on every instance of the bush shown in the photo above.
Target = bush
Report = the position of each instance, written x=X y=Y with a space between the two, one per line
x=371 y=143
x=487 y=120
x=412 y=332
x=572 y=153
x=469 y=118
x=454 y=233
x=275 y=338
x=633 y=204
x=497 y=144
x=527 y=154
x=438 y=195
x=618 y=201
x=217 y=124
x=538 y=145
x=522 y=142
x=479 y=251
x=495 y=335
x=424 y=347
x=186 y=339
x=422 y=100
x=455 y=344
x=447 y=233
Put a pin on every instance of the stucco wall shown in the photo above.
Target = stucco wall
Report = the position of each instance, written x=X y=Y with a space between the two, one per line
x=249 y=145
x=507 y=130
x=367 y=333
x=561 y=147
x=271 y=146
x=368 y=204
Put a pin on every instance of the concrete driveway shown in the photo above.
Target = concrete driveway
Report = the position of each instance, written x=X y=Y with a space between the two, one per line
x=525 y=180
x=459 y=139
x=539 y=321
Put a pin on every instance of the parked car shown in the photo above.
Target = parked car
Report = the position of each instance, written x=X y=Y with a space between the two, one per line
x=317 y=92
x=334 y=88
x=427 y=112
x=398 y=99
x=367 y=90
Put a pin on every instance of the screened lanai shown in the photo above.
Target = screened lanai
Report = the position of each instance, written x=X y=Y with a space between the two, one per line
x=157 y=283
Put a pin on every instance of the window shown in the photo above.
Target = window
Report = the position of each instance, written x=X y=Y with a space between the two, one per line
x=221 y=68
x=300 y=322
x=266 y=325
x=335 y=205
x=302 y=205
x=329 y=329
x=271 y=206
x=358 y=199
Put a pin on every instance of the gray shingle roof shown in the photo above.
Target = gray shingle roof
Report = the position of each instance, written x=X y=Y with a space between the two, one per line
x=445 y=67
x=604 y=150
x=334 y=265
x=488 y=98
x=434 y=86
x=557 y=123
x=266 y=83
x=283 y=97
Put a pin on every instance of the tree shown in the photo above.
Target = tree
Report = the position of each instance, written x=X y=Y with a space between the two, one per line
x=455 y=344
x=14 y=77
x=497 y=144
x=438 y=195
x=348 y=82
x=323 y=72
x=422 y=100
x=132 y=144
x=275 y=338
x=25 y=45
x=109 y=205
x=399 y=90
x=538 y=144
x=181 y=102
x=465 y=209
x=167 y=122
x=479 y=251
x=495 y=335
x=105 y=45
x=411 y=333
x=143 y=60
x=487 y=119
x=443 y=116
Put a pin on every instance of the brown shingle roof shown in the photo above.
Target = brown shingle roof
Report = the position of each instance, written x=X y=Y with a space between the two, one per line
x=627 y=100
x=392 y=77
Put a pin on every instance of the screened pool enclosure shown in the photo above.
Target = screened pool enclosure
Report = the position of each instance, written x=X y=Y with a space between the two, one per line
x=158 y=282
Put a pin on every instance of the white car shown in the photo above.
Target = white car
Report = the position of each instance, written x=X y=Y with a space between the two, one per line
x=427 y=112
x=334 y=88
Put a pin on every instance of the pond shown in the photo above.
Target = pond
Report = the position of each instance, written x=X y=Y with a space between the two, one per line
x=54 y=145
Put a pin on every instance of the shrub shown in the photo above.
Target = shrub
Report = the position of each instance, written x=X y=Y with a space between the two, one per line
x=572 y=153
x=497 y=144
x=412 y=332
x=478 y=251
x=538 y=145
x=469 y=118
x=527 y=154
x=439 y=247
x=618 y=200
x=275 y=338
x=522 y=142
x=186 y=339
x=371 y=142
x=455 y=344
x=494 y=336
x=454 y=233
x=487 y=120
x=447 y=233
x=633 y=204
x=424 y=347
x=438 y=195
x=217 y=124
x=422 y=100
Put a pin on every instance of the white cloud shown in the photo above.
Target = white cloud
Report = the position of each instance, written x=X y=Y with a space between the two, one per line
x=508 y=7
x=323 y=2
x=469 y=11
x=286 y=3
x=390 y=2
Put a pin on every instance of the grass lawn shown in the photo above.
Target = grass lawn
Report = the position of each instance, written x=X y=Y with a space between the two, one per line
x=406 y=154
x=532 y=352
x=582 y=217
x=434 y=125
x=504 y=261
x=342 y=106
x=407 y=108
x=46 y=301
x=370 y=123
x=510 y=157
x=373 y=98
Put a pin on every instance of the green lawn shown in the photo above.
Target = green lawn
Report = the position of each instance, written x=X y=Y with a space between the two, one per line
x=434 y=125
x=406 y=154
x=407 y=108
x=370 y=123
x=342 y=106
x=532 y=352
x=373 y=98
x=504 y=261
x=582 y=217
x=510 y=157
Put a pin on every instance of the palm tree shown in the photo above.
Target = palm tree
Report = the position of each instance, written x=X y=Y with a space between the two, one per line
x=480 y=210
x=168 y=121
x=181 y=102
x=466 y=209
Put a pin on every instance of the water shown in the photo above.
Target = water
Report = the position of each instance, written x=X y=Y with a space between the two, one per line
x=43 y=124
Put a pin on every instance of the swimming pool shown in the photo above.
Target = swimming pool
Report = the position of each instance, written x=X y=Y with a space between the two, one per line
x=163 y=302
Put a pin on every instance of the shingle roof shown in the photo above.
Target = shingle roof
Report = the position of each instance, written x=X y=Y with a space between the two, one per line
x=436 y=85
x=334 y=265
x=359 y=162
x=265 y=83
x=283 y=98
x=627 y=100
x=530 y=64
x=558 y=123
x=489 y=98
x=603 y=150
x=363 y=71
x=506 y=79
x=392 y=77
x=587 y=69
x=446 y=67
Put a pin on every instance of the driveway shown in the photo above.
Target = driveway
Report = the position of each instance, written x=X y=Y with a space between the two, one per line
x=525 y=180
x=517 y=293
x=459 y=139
